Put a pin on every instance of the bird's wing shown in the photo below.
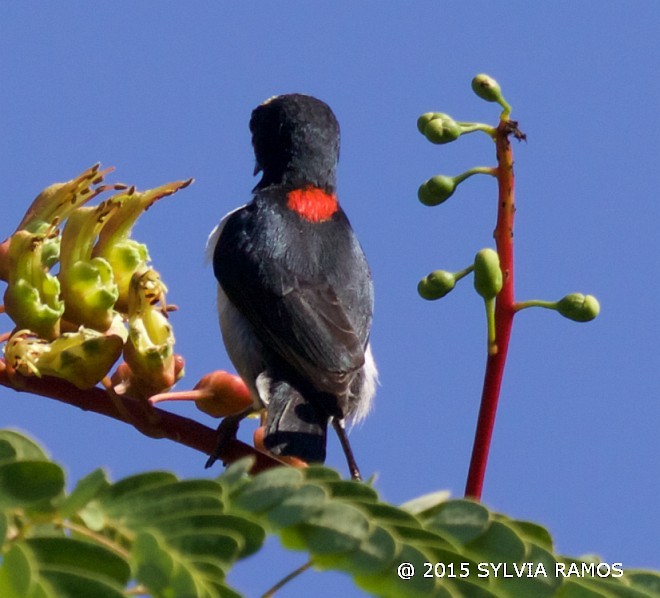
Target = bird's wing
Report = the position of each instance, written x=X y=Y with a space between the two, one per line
x=309 y=324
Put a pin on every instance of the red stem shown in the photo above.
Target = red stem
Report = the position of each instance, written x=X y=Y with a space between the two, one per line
x=504 y=312
x=148 y=420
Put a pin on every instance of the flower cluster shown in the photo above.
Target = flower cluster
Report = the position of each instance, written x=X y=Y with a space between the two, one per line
x=82 y=293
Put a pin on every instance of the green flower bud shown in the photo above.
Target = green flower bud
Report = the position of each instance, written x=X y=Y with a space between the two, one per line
x=82 y=358
x=578 y=307
x=88 y=286
x=126 y=256
x=424 y=120
x=436 y=190
x=149 y=351
x=487 y=273
x=438 y=127
x=436 y=285
x=487 y=88
x=32 y=298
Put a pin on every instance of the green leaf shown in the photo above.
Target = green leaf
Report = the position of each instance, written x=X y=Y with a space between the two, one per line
x=335 y=529
x=86 y=490
x=220 y=541
x=208 y=554
x=268 y=489
x=24 y=448
x=375 y=554
x=93 y=516
x=425 y=506
x=252 y=534
x=424 y=539
x=81 y=558
x=390 y=515
x=352 y=490
x=138 y=484
x=533 y=532
x=236 y=475
x=388 y=583
x=158 y=569
x=179 y=498
x=72 y=585
x=576 y=589
x=168 y=573
x=498 y=544
x=648 y=581
x=534 y=576
x=308 y=500
x=62 y=568
x=16 y=573
x=319 y=473
x=7 y=451
x=464 y=520
x=470 y=589
x=24 y=483
x=614 y=587
x=3 y=530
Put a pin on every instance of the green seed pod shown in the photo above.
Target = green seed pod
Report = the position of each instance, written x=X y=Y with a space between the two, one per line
x=436 y=190
x=487 y=88
x=578 y=307
x=487 y=273
x=436 y=285
x=439 y=128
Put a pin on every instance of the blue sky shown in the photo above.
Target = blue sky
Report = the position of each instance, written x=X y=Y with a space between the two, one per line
x=163 y=91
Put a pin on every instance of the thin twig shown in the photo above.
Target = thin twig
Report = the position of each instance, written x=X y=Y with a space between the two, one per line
x=280 y=584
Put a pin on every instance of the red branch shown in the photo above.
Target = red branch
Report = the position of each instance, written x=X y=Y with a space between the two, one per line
x=504 y=311
x=150 y=421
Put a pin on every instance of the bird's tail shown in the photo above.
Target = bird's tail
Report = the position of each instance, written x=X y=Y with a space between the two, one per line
x=295 y=427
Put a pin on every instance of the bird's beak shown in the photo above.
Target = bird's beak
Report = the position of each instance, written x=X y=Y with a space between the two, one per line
x=257 y=169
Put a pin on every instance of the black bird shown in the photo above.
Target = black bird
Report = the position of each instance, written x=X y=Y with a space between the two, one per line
x=295 y=295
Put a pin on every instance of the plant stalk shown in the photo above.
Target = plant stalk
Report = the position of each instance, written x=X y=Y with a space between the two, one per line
x=504 y=311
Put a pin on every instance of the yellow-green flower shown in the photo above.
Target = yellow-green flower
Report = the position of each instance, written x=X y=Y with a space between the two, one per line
x=82 y=358
x=88 y=286
x=149 y=351
x=32 y=298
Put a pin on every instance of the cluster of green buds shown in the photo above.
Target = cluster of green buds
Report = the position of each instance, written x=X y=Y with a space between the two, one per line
x=440 y=128
x=488 y=283
x=104 y=301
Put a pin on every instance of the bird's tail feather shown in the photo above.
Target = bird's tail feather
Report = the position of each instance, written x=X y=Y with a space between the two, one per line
x=295 y=427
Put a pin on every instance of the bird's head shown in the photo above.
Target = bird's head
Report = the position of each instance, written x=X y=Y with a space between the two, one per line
x=296 y=142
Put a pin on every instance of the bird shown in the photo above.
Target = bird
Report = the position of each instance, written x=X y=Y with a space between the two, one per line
x=295 y=291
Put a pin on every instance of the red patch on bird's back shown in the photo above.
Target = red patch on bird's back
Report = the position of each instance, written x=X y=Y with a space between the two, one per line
x=312 y=203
